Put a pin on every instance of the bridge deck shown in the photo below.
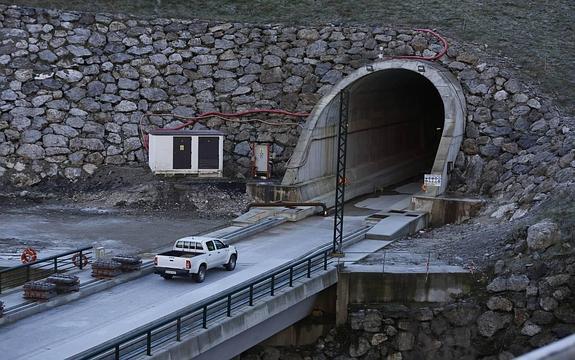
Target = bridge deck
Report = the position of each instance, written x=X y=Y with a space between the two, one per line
x=75 y=327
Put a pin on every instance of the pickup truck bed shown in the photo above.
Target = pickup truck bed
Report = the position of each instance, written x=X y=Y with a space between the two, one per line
x=176 y=253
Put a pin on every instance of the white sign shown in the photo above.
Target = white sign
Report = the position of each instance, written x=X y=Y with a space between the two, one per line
x=432 y=180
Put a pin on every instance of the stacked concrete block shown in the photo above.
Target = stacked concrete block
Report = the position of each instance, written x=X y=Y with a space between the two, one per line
x=106 y=268
x=128 y=263
x=39 y=290
x=65 y=283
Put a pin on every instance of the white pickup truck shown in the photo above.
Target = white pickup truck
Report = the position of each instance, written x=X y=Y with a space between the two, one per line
x=193 y=256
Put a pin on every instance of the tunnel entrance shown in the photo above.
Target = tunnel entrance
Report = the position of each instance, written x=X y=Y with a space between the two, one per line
x=396 y=120
x=406 y=118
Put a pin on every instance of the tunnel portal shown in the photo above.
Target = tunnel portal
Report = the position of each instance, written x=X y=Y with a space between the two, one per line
x=406 y=119
x=396 y=121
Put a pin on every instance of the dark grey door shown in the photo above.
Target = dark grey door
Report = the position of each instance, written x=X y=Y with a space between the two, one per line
x=208 y=152
x=182 y=153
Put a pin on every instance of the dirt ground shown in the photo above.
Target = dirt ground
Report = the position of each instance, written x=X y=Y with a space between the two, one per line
x=123 y=209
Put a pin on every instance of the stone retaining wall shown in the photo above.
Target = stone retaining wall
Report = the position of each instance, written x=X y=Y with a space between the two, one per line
x=73 y=88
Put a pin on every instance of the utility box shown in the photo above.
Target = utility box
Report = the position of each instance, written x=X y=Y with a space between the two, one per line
x=196 y=152
x=261 y=163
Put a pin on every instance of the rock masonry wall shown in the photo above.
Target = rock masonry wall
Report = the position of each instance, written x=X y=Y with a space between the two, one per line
x=523 y=303
x=73 y=88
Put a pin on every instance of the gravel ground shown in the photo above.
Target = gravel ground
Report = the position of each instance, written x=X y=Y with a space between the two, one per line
x=479 y=242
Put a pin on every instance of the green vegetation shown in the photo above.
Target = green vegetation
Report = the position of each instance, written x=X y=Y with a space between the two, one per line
x=538 y=35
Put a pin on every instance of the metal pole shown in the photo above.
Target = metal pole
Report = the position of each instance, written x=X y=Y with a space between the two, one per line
x=273 y=284
x=149 y=343
x=205 y=318
x=229 y=305
x=179 y=329
x=252 y=295
x=308 y=268
x=340 y=175
x=291 y=276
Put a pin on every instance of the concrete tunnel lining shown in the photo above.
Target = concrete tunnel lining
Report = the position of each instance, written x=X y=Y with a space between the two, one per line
x=414 y=98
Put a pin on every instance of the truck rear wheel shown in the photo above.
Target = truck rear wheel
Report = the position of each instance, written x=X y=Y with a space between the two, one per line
x=231 y=265
x=201 y=275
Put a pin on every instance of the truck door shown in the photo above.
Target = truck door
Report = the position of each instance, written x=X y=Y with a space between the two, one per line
x=212 y=254
x=222 y=252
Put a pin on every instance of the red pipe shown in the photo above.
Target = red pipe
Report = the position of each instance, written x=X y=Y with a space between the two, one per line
x=238 y=114
x=428 y=58
x=195 y=119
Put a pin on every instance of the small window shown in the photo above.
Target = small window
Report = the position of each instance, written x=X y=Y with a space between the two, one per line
x=219 y=244
x=179 y=245
x=210 y=245
x=187 y=245
x=198 y=246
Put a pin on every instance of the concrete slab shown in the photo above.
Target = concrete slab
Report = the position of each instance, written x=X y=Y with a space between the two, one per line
x=386 y=202
x=411 y=188
x=392 y=227
x=363 y=249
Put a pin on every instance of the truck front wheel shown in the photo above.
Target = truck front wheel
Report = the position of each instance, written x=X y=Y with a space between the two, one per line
x=201 y=275
x=232 y=263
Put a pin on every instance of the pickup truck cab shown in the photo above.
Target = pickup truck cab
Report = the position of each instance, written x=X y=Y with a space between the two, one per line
x=192 y=256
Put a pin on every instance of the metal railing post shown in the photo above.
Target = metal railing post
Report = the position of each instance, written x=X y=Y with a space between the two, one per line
x=230 y=305
x=149 y=343
x=81 y=261
x=55 y=265
x=205 y=317
x=308 y=268
x=291 y=276
x=0 y=283
x=252 y=295
x=273 y=284
x=117 y=352
x=325 y=260
x=179 y=329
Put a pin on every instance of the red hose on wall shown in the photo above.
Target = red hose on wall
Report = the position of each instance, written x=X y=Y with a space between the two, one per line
x=428 y=58
x=193 y=120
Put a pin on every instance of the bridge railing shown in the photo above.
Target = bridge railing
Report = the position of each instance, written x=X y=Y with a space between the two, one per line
x=148 y=338
x=42 y=268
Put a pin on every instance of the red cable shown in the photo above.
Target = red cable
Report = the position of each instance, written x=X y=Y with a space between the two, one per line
x=195 y=119
x=428 y=58
x=238 y=114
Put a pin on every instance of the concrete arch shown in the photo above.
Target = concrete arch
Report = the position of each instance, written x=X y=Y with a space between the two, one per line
x=310 y=174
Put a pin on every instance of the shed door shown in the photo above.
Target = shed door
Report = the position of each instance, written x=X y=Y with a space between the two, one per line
x=182 y=153
x=208 y=152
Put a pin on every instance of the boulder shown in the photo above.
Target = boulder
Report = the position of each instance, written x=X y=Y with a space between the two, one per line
x=542 y=235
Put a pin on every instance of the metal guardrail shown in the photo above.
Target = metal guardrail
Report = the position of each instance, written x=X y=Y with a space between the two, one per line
x=145 y=339
x=42 y=268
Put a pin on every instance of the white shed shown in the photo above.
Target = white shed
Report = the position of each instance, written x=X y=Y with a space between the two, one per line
x=198 y=152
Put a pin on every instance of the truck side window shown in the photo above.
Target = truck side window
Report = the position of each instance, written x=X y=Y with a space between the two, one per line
x=187 y=245
x=219 y=244
x=179 y=245
x=210 y=245
x=198 y=246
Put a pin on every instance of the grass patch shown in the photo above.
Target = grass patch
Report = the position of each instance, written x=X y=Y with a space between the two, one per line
x=537 y=34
